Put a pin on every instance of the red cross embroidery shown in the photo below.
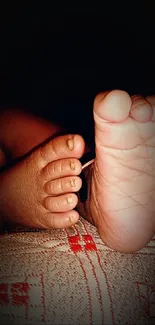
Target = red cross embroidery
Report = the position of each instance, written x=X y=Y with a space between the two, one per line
x=4 y=298
x=78 y=244
x=20 y=293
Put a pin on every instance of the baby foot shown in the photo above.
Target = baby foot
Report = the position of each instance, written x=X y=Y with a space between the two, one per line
x=121 y=199
x=39 y=190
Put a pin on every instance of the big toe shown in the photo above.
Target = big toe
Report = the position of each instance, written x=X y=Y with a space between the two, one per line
x=65 y=146
x=113 y=106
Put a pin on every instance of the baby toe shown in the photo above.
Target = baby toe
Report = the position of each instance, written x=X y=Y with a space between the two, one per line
x=141 y=110
x=62 y=203
x=61 y=220
x=151 y=100
x=61 y=168
x=63 y=185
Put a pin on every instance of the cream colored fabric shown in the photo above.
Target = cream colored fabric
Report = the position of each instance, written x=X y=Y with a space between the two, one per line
x=71 y=277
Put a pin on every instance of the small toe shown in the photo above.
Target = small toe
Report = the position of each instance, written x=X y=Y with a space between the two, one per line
x=63 y=185
x=141 y=109
x=61 y=220
x=62 y=203
x=151 y=101
x=61 y=168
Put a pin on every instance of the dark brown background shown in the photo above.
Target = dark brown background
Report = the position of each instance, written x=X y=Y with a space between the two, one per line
x=55 y=60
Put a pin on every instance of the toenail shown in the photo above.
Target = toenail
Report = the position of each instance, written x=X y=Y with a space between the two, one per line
x=72 y=165
x=73 y=183
x=69 y=200
x=70 y=143
x=72 y=219
x=140 y=106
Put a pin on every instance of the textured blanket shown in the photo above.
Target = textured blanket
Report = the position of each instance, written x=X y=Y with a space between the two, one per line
x=71 y=277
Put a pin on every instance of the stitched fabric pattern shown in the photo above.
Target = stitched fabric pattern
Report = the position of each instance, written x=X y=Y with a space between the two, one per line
x=71 y=277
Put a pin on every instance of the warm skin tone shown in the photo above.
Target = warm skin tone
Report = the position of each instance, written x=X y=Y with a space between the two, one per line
x=39 y=191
